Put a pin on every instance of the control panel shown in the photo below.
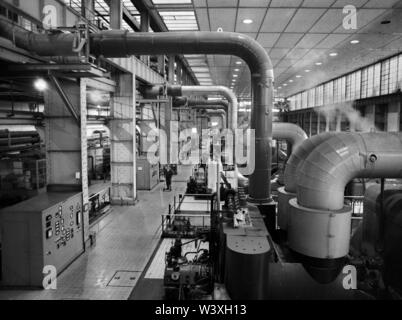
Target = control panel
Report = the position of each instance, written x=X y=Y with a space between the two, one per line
x=62 y=225
x=43 y=231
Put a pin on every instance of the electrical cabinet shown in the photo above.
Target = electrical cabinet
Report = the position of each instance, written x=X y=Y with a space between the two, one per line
x=147 y=174
x=46 y=230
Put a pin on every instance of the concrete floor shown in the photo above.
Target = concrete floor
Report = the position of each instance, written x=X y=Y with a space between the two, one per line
x=125 y=241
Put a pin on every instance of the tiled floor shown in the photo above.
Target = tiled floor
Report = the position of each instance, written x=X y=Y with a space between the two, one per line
x=127 y=239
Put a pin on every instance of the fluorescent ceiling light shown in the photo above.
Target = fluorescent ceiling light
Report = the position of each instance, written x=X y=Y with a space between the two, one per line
x=354 y=41
x=318 y=63
x=298 y=76
x=333 y=54
x=238 y=62
x=290 y=80
x=307 y=70
x=247 y=21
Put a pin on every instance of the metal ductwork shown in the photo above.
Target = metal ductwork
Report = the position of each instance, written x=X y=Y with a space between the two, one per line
x=319 y=223
x=296 y=160
x=119 y=43
x=187 y=91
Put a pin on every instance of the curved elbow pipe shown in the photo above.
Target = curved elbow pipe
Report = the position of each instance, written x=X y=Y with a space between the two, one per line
x=336 y=161
x=290 y=132
x=119 y=43
x=319 y=223
x=299 y=155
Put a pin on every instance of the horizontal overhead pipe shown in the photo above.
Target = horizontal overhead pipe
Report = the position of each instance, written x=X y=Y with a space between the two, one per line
x=181 y=101
x=296 y=160
x=18 y=141
x=16 y=134
x=319 y=224
x=119 y=43
x=187 y=91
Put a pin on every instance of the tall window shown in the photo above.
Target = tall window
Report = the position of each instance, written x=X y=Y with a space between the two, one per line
x=314 y=123
x=370 y=81
x=348 y=87
x=393 y=74
x=304 y=99
x=380 y=120
x=400 y=72
x=377 y=79
x=385 y=75
x=364 y=83
x=323 y=123
x=320 y=95
x=328 y=92
x=358 y=75
x=311 y=98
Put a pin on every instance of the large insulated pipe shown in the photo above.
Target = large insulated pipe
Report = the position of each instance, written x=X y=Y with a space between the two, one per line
x=319 y=224
x=181 y=101
x=188 y=91
x=290 y=132
x=296 y=160
x=119 y=43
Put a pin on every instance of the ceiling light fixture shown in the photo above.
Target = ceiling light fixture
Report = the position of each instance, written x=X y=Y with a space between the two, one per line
x=333 y=54
x=307 y=70
x=290 y=80
x=298 y=76
x=285 y=85
x=236 y=70
x=354 y=41
x=40 y=84
x=318 y=63
x=235 y=75
x=247 y=21
x=238 y=62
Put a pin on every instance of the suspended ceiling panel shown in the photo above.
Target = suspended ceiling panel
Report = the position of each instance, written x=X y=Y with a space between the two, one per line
x=299 y=35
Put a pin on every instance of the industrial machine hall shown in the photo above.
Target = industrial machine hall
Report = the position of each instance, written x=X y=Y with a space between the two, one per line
x=213 y=150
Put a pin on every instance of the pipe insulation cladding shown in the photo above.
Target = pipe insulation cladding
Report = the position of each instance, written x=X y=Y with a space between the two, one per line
x=290 y=132
x=119 y=43
x=296 y=160
x=319 y=223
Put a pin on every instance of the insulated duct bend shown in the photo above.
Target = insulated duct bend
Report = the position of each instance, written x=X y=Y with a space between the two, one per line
x=319 y=224
x=290 y=132
x=119 y=43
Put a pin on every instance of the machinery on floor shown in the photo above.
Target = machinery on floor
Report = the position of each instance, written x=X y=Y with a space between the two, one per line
x=40 y=235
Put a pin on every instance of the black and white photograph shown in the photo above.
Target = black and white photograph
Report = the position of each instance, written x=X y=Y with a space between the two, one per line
x=200 y=158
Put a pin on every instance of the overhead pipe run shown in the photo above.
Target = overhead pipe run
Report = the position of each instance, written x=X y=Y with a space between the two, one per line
x=187 y=91
x=319 y=224
x=181 y=101
x=118 y=43
x=296 y=160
